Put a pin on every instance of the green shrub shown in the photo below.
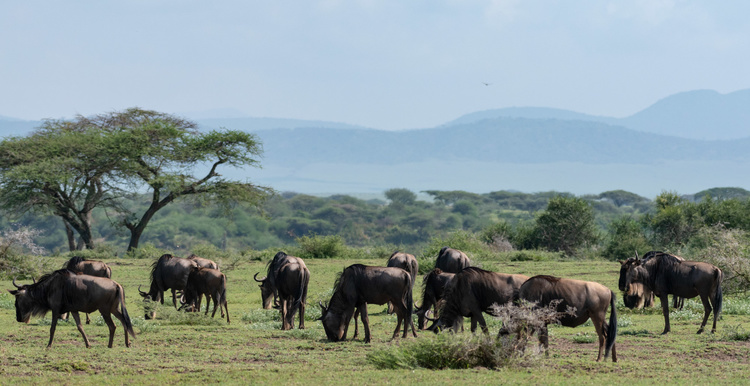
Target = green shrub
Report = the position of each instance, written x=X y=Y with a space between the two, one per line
x=321 y=247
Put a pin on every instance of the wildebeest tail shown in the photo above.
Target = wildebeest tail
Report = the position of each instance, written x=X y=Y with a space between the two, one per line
x=409 y=303
x=125 y=317
x=304 y=279
x=718 y=297
x=612 y=328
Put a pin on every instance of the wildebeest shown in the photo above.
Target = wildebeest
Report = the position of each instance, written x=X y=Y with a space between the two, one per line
x=664 y=274
x=65 y=291
x=268 y=283
x=639 y=296
x=406 y=262
x=472 y=292
x=358 y=285
x=87 y=267
x=589 y=299
x=168 y=272
x=203 y=262
x=209 y=282
x=292 y=281
x=451 y=260
x=433 y=288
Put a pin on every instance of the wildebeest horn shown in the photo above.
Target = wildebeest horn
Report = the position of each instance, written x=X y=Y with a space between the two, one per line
x=636 y=254
x=141 y=292
x=14 y=283
x=322 y=307
x=430 y=319
x=256 y=278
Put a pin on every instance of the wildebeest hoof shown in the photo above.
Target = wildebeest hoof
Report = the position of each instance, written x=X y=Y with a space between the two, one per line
x=665 y=332
x=700 y=331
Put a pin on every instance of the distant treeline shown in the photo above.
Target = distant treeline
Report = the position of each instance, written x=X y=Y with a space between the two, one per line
x=403 y=221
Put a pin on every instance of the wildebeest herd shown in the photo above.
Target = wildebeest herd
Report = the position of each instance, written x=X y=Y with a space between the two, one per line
x=452 y=291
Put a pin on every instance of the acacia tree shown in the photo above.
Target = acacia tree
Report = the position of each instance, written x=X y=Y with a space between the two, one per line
x=60 y=169
x=566 y=225
x=124 y=156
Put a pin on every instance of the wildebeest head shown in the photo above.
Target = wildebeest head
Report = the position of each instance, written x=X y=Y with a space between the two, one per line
x=631 y=271
x=24 y=303
x=150 y=298
x=332 y=323
x=266 y=291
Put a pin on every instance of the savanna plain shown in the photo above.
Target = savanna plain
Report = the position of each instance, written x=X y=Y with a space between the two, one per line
x=181 y=348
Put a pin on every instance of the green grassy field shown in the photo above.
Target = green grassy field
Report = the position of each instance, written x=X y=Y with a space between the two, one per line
x=178 y=348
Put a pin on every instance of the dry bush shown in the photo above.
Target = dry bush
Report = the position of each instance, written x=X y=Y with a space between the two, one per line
x=729 y=250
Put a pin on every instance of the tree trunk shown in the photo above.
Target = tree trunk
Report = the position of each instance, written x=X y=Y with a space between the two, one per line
x=71 y=236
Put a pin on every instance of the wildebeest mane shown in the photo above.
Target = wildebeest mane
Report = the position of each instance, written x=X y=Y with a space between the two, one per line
x=549 y=278
x=339 y=302
x=73 y=262
x=426 y=278
x=155 y=264
x=41 y=290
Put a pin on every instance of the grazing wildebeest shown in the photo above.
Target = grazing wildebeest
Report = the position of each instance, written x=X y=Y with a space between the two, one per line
x=589 y=299
x=65 y=291
x=406 y=262
x=640 y=296
x=209 y=282
x=168 y=272
x=472 y=292
x=358 y=285
x=664 y=274
x=87 y=267
x=433 y=289
x=451 y=260
x=268 y=283
x=203 y=262
x=291 y=281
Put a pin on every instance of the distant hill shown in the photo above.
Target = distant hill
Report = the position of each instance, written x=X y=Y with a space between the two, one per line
x=508 y=140
x=700 y=114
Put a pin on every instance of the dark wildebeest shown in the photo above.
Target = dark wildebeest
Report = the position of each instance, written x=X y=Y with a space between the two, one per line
x=268 y=283
x=87 y=267
x=168 y=272
x=65 y=291
x=451 y=260
x=406 y=262
x=433 y=288
x=589 y=299
x=358 y=285
x=640 y=296
x=664 y=274
x=472 y=292
x=291 y=281
x=209 y=282
x=202 y=262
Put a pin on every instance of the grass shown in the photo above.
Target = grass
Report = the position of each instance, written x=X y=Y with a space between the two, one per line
x=189 y=349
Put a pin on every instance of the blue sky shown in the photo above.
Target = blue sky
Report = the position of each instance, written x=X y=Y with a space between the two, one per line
x=381 y=64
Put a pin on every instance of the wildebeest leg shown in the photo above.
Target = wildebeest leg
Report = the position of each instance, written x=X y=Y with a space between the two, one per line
x=216 y=304
x=52 y=328
x=544 y=339
x=174 y=298
x=665 y=310
x=88 y=320
x=473 y=324
x=302 y=315
x=481 y=321
x=356 y=329
x=706 y=312
x=284 y=305
x=600 y=328
x=77 y=318
x=400 y=316
x=112 y=327
x=121 y=318
x=365 y=321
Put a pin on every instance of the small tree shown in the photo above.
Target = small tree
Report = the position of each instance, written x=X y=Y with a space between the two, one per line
x=566 y=225
x=401 y=196
x=675 y=221
x=624 y=238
